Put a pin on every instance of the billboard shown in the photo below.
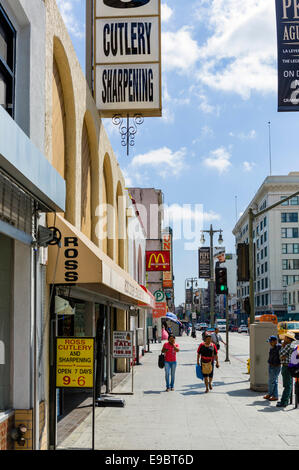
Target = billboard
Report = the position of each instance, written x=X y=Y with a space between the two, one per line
x=157 y=261
x=127 y=57
x=287 y=21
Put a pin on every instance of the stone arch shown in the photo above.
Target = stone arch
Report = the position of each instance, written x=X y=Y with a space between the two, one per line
x=108 y=218
x=120 y=226
x=139 y=267
x=64 y=126
x=89 y=178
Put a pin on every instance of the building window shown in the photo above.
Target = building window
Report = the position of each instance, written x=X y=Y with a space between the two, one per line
x=7 y=63
x=289 y=232
x=294 y=201
x=289 y=217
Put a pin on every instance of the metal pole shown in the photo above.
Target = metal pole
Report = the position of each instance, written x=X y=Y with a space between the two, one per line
x=108 y=339
x=227 y=328
x=212 y=290
x=251 y=266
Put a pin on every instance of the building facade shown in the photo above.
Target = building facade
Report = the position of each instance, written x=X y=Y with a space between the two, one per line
x=30 y=187
x=58 y=172
x=276 y=245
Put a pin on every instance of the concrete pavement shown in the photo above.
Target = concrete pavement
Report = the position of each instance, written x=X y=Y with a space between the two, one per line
x=230 y=417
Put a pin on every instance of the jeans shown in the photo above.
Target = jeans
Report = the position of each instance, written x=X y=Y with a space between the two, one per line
x=170 y=368
x=287 y=382
x=273 y=381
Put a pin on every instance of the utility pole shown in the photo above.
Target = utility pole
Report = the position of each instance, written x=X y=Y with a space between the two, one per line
x=211 y=232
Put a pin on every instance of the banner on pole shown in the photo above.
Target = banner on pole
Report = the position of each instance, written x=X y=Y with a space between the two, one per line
x=204 y=263
x=287 y=20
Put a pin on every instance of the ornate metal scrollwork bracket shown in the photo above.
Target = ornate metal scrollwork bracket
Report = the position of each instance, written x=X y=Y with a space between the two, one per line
x=128 y=131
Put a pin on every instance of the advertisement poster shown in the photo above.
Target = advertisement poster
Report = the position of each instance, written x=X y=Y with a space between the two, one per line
x=204 y=260
x=287 y=19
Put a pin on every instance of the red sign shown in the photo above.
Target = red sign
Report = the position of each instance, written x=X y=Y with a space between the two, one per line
x=160 y=310
x=158 y=261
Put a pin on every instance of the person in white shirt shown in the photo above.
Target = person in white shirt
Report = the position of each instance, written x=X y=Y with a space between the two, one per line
x=216 y=338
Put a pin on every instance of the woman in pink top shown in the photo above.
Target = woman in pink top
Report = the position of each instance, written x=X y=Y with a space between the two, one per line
x=170 y=349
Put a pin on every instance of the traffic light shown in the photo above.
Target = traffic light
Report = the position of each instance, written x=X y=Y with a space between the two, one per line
x=247 y=305
x=221 y=281
x=243 y=262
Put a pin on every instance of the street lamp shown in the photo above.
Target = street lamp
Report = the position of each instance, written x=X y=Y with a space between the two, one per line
x=211 y=232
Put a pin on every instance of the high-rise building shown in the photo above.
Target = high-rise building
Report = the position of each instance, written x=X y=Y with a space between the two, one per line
x=276 y=244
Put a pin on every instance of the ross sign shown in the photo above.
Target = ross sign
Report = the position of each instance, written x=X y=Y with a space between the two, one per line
x=160 y=310
x=122 y=344
x=287 y=21
x=204 y=260
x=127 y=57
x=74 y=362
x=157 y=261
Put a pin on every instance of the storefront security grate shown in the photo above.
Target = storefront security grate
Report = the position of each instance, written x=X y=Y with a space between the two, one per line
x=16 y=207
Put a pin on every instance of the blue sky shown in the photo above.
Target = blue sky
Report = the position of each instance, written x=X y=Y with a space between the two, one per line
x=219 y=93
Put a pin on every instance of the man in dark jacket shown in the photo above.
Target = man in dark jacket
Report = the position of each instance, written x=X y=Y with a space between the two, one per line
x=273 y=368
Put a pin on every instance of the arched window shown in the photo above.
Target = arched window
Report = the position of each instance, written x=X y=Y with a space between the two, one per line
x=58 y=123
x=85 y=184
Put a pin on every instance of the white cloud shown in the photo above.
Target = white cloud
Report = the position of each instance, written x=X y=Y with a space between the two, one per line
x=248 y=166
x=243 y=136
x=175 y=212
x=179 y=51
x=164 y=160
x=240 y=53
x=166 y=12
x=219 y=160
x=66 y=8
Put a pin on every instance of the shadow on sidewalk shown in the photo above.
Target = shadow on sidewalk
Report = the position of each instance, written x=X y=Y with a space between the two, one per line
x=153 y=392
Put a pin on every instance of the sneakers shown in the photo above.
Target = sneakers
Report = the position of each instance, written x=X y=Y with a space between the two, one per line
x=273 y=399
x=266 y=397
x=167 y=390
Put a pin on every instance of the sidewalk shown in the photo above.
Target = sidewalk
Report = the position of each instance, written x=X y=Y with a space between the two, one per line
x=231 y=416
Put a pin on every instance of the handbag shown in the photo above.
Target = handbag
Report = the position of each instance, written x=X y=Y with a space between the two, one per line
x=161 y=361
x=198 y=372
x=206 y=367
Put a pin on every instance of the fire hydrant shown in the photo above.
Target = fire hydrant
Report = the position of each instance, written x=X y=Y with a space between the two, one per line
x=248 y=366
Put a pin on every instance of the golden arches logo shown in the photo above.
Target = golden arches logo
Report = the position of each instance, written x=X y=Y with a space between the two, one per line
x=157 y=258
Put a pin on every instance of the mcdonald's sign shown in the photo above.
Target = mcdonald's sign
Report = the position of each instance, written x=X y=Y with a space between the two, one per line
x=158 y=261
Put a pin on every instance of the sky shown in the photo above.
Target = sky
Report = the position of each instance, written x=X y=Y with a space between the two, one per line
x=210 y=151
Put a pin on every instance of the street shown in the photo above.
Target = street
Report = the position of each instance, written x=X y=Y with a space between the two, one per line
x=230 y=417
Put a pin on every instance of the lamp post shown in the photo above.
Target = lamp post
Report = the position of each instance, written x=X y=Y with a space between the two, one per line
x=211 y=232
x=192 y=280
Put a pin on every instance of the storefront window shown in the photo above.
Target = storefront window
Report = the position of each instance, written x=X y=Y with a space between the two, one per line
x=6 y=246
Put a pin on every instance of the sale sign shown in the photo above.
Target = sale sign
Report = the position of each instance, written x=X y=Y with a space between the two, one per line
x=122 y=344
x=74 y=362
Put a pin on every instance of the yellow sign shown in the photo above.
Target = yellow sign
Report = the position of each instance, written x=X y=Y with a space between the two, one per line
x=74 y=362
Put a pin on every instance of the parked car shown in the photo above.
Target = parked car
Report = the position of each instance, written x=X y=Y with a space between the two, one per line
x=235 y=328
x=287 y=326
x=243 y=329
x=203 y=326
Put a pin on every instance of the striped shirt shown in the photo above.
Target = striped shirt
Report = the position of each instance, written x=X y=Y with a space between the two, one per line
x=285 y=353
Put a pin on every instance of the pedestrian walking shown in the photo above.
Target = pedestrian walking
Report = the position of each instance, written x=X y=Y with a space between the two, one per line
x=274 y=368
x=170 y=349
x=155 y=333
x=217 y=338
x=285 y=353
x=207 y=353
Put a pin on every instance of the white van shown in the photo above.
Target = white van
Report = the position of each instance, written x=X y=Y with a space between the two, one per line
x=221 y=324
